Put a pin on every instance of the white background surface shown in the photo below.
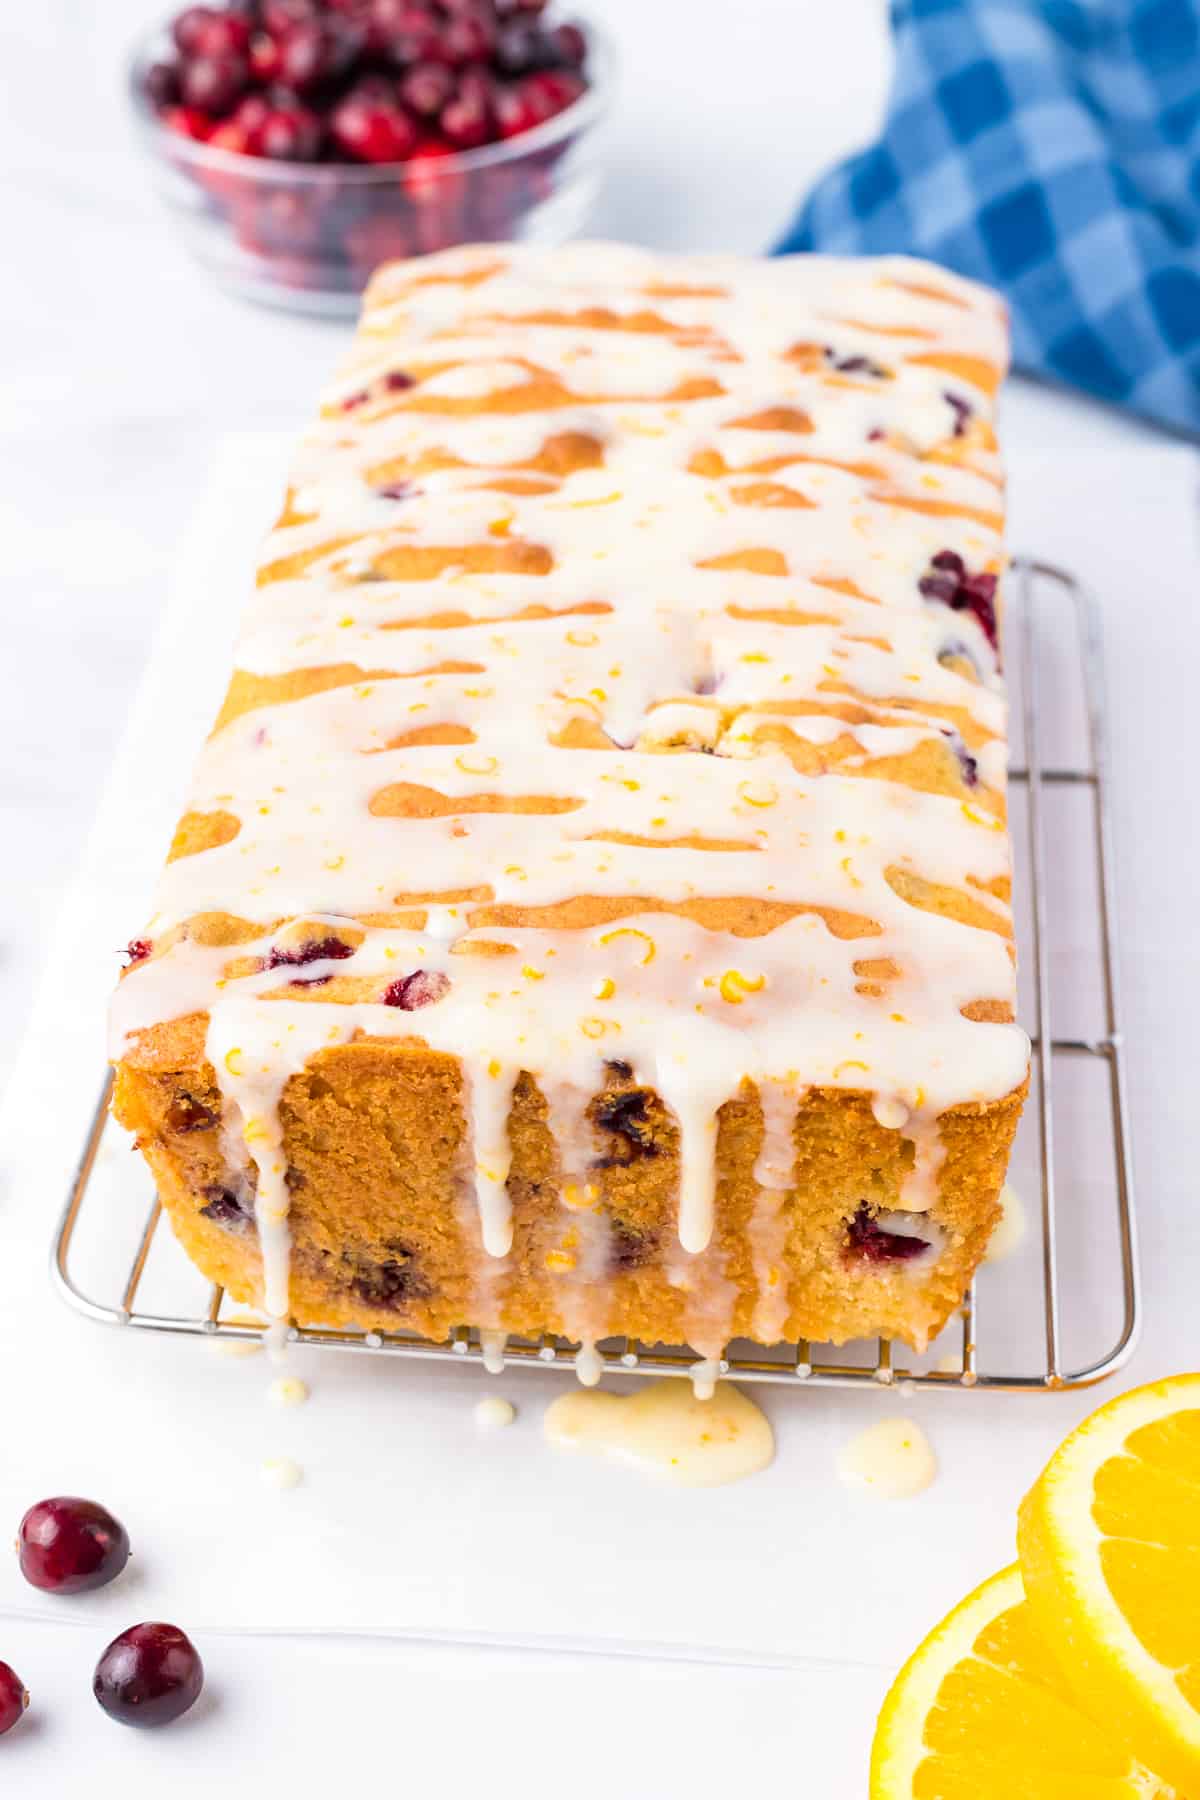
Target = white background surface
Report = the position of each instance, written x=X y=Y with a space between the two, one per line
x=120 y=374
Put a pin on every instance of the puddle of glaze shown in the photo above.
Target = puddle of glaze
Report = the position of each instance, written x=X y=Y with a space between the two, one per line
x=281 y=1472
x=892 y=1459
x=665 y=1432
x=1010 y=1233
x=288 y=1390
x=223 y=1346
x=493 y=1412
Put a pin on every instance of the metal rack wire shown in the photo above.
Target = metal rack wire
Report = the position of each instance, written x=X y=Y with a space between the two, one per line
x=1036 y=591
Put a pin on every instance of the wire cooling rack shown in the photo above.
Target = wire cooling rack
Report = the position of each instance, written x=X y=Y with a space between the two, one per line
x=1078 y=1273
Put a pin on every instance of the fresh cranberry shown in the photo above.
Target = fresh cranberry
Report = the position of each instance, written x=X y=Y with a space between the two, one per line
x=514 y=112
x=397 y=380
x=403 y=31
x=570 y=45
x=316 y=950
x=313 y=52
x=293 y=135
x=467 y=39
x=421 y=988
x=149 y=1675
x=279 y=15
x=477 y=83
x=161 y=85
x=69 y=1546
x=13 y=1698
x=187 y=121
x=224 y=34
x=465 y=123
x=372 y=132
x=231 y=136
x=214 y=83
x=508 y=8
x=252 y=114
x=137 y=950
x=426 y=180
x=190 y=26
x=520 y=48
x=869 y=1242
x=265 y=57
x=426 y=88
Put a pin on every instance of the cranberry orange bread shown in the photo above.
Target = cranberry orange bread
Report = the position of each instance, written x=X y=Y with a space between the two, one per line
x=592 y=910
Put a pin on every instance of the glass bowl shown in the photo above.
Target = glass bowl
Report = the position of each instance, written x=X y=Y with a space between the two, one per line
x=308 y=236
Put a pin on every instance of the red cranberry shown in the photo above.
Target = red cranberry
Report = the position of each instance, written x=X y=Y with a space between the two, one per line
x=187 y=121
x=13 y=1698
x=69 y=1546
x=426 y=88
x=470 y=38
x=224 y=34
x=312 y=52
x=161 y=85
x=214 y=83
x=405 y=31
x=421 y=988
x=543 y=95
x=424 y=177
x=465 y=123
x=252 y=114
x=190 y=26
x=230 y=136
x=265 y=57
x=148 y=1676
x=137 y=950
x=570 y=45
x=868 y=1241
x=279 y=15
x=519 y=48
x=290 y=136
x=372 y=132
x=514 y=112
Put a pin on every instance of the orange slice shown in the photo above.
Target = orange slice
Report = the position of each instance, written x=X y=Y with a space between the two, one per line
x=1109 y=1540
x=981 y=1712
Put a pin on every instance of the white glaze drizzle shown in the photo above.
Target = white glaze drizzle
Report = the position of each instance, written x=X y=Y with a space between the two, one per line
x=637 y=639
x=668 y=1431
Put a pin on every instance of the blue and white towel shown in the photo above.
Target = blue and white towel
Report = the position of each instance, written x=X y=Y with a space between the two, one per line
x=1052 y=149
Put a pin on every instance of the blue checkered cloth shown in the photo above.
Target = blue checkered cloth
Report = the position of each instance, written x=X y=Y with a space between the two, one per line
x=1052 y=149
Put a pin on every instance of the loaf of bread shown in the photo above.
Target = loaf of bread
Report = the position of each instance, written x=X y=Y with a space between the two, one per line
x=592 y=910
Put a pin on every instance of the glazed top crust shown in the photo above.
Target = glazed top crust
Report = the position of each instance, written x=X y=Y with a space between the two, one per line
x=620 y=685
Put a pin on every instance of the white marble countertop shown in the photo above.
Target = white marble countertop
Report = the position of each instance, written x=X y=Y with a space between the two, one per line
x=121 y=368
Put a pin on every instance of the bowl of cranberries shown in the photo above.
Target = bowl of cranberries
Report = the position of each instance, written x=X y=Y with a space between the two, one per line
x=301 y=143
